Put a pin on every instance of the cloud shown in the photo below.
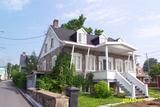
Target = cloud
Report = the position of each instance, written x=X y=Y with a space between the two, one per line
x=16 y=4
x=59 y=6
x=95 y=12
x=151 y=31
x=72 y=14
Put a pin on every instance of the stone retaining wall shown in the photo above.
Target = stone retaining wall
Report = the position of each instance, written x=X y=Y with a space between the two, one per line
x=48 y=99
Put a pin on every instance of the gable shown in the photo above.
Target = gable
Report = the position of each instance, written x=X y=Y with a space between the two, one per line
x=50 y=43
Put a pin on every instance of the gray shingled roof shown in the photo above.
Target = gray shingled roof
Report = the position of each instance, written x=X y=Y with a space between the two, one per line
x=65 y=34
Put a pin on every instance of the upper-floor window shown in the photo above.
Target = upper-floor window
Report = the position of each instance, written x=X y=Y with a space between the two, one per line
x=45 y=48
x=52 y=42
x=81 y=38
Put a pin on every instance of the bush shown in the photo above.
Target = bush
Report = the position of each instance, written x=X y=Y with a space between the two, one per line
x=47 y=83
x=101 y=90
x=19 y=79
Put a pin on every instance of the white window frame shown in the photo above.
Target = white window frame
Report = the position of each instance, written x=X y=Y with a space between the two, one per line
x=75 y=55
x=128 y=67
x=110 y=60
x=44 y=65
x=101 y=63
x=54 y=58
x=90 y=60
x=119 y=64
x=45 y=48
x=81 y=38
x=52 y=43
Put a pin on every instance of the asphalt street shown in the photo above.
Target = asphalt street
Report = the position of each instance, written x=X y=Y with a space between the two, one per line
x=10 y=97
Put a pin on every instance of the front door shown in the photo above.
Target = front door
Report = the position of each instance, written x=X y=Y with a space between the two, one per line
x=119 y=65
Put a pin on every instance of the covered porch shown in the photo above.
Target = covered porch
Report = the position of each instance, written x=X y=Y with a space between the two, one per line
x=104 y=59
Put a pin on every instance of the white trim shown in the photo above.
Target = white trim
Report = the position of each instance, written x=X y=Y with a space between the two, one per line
x=89 y=62
x=100 y=60
x=101 y=45
x=128 y=66
x=106 y=53
x=54 y=58
x=119 y=64
x=80 y=56
x=72 y=56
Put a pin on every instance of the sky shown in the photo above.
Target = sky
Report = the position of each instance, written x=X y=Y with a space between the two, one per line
x=137 y=22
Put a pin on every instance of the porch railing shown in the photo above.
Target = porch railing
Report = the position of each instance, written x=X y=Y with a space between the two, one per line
x=137 y=82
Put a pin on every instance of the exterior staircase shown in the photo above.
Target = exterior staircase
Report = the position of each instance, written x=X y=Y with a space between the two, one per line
x=132 y=87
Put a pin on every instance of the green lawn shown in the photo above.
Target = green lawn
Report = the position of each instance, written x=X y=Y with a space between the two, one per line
x=89 y=101
x=153 y=92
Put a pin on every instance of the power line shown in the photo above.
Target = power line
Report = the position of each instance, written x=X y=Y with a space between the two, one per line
x=33 y=37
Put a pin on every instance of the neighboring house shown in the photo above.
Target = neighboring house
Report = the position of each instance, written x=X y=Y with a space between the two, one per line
x=3 y=73
x=108 y=59
x=141 y=75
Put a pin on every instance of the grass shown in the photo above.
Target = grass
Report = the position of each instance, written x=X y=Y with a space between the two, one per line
x=154 y=92
x=90 y=101
x=85 y=100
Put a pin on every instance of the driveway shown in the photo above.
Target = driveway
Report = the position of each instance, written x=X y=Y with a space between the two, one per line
x=10 y=97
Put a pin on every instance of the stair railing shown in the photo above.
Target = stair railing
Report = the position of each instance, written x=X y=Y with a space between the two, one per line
x=143 y=87
x=130 y=87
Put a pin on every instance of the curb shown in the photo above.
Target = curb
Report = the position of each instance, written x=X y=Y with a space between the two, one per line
x=29 y=99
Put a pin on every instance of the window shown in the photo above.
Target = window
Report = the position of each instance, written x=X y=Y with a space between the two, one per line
x=90 y=64
x=128 y=65
x=110 y=63
x=52 y=42
x=44 y=65
x=45 y=48
x=54 y=58
x=102 y=63
x=119 y=65
x=81 y=38
x=77 y=60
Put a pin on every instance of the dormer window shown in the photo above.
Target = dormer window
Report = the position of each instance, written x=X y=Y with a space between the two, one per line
x=81 y=36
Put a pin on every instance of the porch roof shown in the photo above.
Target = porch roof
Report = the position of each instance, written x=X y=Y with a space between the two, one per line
x=113 y=47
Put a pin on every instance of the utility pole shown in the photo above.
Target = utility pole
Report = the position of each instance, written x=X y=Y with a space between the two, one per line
x=148 y=62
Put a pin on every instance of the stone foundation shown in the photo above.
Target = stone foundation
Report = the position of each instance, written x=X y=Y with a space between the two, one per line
x=48 y=99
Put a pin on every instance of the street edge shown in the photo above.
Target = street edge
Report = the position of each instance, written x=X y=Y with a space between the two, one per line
x=29 y=99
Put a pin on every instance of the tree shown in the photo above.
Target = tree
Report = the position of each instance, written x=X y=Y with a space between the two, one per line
x=148 y=63
x=9 y=67
x=32 y=62
x=154 y=70
x=75 y=24
x=98 y=32
x=89 y=30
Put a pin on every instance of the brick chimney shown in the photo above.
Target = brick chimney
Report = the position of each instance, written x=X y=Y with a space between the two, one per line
x=55 y=23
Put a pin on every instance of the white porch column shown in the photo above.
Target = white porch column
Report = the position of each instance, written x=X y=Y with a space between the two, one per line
x=106 y=52
x=87 y=61
x=134 y=63
x=72 y=56
x=128 y=64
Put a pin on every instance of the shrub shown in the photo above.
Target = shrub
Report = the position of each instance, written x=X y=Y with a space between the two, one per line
x=47 y=83
x=101 y=90
x=19 y=79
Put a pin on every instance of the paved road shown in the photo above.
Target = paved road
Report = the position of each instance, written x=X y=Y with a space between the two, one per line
x=9 y=96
